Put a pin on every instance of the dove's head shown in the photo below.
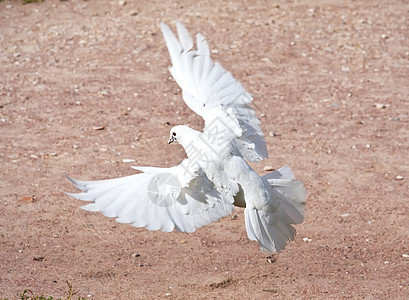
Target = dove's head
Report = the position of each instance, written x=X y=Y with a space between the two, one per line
x=182 y=134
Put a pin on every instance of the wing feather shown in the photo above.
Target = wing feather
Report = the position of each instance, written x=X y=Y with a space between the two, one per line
x=208 y=86
x=160 y=199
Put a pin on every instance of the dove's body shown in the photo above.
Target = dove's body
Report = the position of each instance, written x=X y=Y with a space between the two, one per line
x=216 y=175
x=223 y=163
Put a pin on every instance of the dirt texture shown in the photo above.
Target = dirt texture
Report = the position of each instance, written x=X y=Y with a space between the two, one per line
x=85 y=84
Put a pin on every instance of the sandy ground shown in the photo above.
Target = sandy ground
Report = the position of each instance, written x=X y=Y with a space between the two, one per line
x=330 y=83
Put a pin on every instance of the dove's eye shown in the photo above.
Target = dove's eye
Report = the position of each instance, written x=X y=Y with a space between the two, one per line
x=174 y=133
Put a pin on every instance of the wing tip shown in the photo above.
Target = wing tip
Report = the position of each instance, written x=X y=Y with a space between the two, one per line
x=77 y=183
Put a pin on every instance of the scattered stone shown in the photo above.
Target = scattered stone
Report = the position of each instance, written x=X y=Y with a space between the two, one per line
x=381 y=105
x=27 y=199
x=98 y=128
x=105 y=93
x=166 y=123
x=345 y=215
x=183 y=241
x=122 y=3
x=133 y=255
x=75 y=146
x=399 y=177
x=271 y=259
x=234 y=217
x=34 y=156
x=306 y=239
x=53 y=154
x=133 y=13
x=262 y=115
x=268 y=168
x=128 y=160
x=405 y=255
x=38 y=258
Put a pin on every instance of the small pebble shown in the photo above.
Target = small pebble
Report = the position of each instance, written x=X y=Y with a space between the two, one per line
x=380 y=105
x=271 y=259
x=27 y=199
x=98 y=128
x=122 y=2
x=399 y=177
x=268 y=168
x=405 y=255
x=128 y=160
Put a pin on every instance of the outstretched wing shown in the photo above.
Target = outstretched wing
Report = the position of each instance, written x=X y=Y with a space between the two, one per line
x=180 y=198
x=209 y=90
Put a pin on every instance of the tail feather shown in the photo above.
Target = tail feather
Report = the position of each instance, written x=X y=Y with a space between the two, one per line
x=290 y=194
x=272 y=229
x=271 y=237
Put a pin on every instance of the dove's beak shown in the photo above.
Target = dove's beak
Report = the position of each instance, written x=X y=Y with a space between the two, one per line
x=172 y=139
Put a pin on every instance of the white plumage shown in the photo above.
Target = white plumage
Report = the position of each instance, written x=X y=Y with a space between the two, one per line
x=205 y=187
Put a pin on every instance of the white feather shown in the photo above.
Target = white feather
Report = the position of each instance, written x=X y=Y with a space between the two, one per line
x=273 y=228
x=207 y=85
x=135 y=199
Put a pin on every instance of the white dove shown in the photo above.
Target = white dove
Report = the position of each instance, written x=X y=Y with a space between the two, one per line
x=215 y=176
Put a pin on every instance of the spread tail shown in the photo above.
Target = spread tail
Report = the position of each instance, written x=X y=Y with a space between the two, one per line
x=272 y=229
